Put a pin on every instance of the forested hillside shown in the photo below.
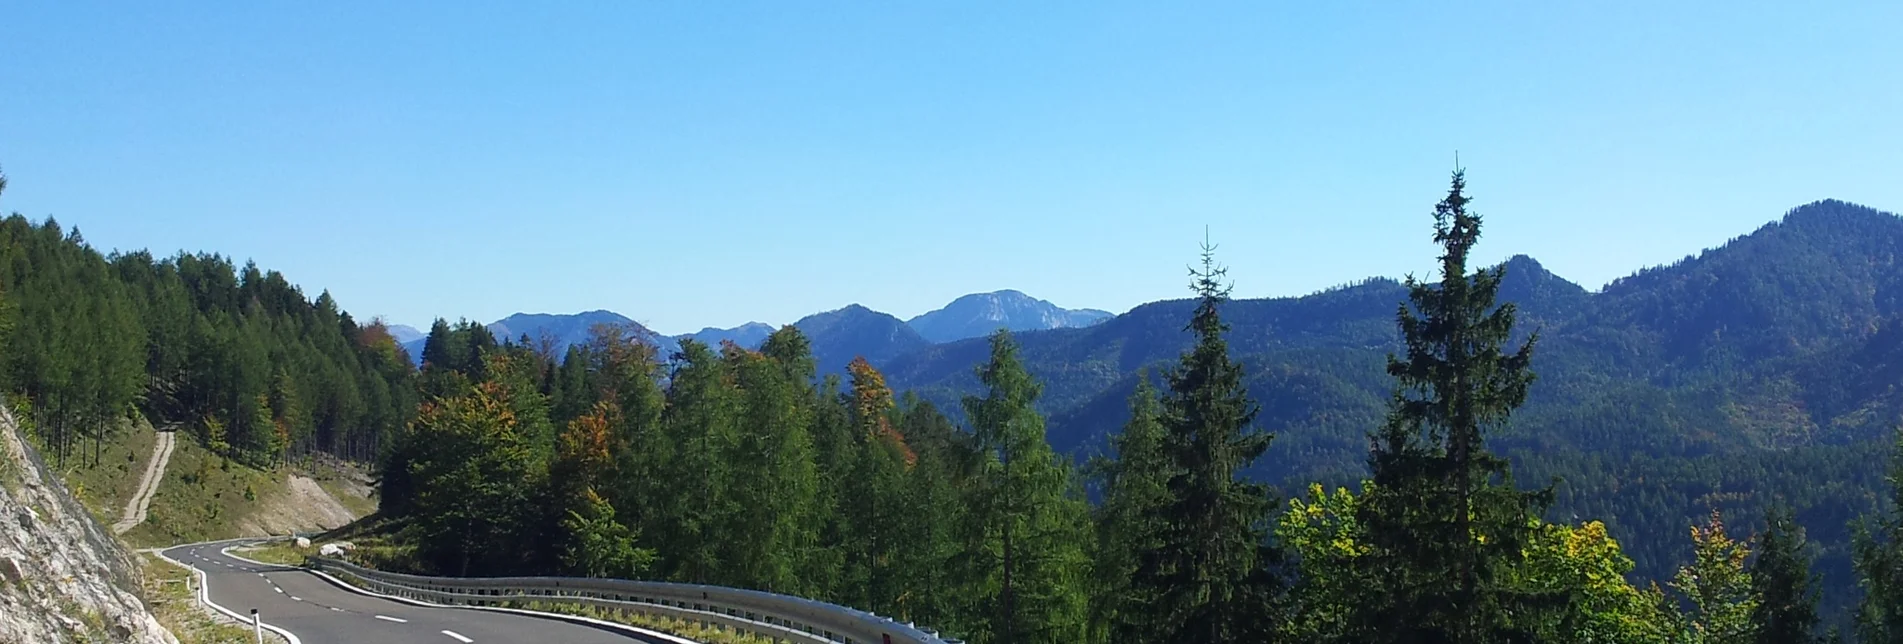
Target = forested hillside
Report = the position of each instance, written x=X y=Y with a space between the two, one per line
x=238 y=356
x=750 y=468
x=1753 y=386
x=1752 y=372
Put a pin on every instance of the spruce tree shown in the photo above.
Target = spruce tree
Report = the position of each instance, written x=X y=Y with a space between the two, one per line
x=945 y=456
x=1444 y=519
x=1204 y=581
x=1031 y=532
x=1134 y=484
x=1786 y=590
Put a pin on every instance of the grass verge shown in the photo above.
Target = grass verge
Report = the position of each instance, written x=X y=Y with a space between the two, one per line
x=378 y=544
x=284 y=553
x=671 y=626
x=169 y=592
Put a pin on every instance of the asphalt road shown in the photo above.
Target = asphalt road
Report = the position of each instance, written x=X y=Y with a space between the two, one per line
x=318 y=612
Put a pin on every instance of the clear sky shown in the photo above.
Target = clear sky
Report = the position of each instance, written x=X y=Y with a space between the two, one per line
x=709 y=163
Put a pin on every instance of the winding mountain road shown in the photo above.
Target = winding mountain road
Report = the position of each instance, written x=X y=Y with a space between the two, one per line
x=318 y=611
x=149 y=485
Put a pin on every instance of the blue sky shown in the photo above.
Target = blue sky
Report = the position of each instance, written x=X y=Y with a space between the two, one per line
x=708 y=163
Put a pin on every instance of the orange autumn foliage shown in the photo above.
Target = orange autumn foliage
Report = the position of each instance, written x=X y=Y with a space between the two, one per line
x=872 y=402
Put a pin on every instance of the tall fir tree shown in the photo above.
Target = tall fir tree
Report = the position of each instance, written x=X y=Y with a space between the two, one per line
x=1444 y=520
x=699 y=422
x=1206 y=580
x=1782 y=581
x=1031 y=532
x=775 y=492
x=945 y=457
x=1135 y=485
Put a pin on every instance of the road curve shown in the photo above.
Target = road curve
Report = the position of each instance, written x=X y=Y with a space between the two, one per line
x=319 y=612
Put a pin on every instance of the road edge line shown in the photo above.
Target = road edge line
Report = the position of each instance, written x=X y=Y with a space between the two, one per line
x=672 y=639
x=204 y=597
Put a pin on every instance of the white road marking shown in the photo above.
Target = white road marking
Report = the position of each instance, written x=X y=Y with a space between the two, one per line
x=277 y=589
x=392 y=619
x=459 y=637
x=295 y=598
x=337 y=609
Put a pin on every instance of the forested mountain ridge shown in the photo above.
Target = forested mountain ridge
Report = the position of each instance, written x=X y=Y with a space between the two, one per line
x=1419 y=515
x=237 y=356
x=840 y=335
x=1750 y=372
x=1768 y=305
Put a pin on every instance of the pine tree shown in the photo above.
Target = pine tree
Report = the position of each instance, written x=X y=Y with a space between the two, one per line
x=1781 y=580
x=776 y=482
x=1027 y=580
x=1444 y=519
x=1206 y=581
x=699 y=424
x=836 y=452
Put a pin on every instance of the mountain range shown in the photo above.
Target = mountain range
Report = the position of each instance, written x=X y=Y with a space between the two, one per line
x=837 y=336
x=1768 y=369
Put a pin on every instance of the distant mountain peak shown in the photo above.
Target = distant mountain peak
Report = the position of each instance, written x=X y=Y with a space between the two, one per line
x=750 y=335
x=404 y=333
x=1834 y=215
x=851 y=331
x=980 y=314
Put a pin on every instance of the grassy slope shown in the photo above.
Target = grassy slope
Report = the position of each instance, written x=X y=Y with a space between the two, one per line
x=168 y=591
x=202 y=497
x=105 y=487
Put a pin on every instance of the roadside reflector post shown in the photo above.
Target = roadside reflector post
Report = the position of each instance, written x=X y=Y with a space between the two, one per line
x=257 y=627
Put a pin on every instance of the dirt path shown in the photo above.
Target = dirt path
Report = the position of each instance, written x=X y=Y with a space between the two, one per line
x=154 y=472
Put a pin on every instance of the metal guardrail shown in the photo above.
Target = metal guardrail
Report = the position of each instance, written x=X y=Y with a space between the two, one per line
x=780 y=617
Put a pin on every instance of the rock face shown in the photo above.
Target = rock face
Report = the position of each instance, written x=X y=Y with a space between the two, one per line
x=62 y=576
